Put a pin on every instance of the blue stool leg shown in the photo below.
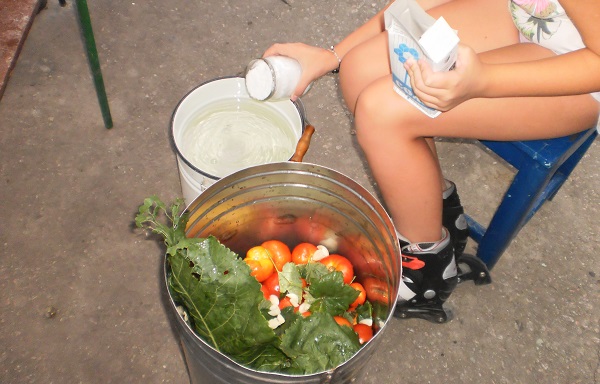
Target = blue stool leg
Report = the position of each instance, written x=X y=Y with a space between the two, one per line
x=567 y=167
x=514 y=211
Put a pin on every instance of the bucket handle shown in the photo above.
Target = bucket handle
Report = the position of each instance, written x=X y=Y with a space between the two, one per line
x=303 y=143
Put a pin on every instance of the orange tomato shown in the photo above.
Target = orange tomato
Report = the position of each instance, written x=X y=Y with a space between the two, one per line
x=285 y=302
x=339 y=263
x=342 y=321
x=362 y=296
x=280 y=252
x=259 y=260
x=302 y=253
x=364 y=332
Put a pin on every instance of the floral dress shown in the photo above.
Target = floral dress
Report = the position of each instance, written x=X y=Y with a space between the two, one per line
x=546 y=23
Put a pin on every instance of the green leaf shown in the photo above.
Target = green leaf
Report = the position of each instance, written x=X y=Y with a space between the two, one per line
x=290 y=317
x=153 y=210
x=380 y=311
x=330 y=294
x=313 y=271
x=265 y=357
x=364 y=311
x=317 y=343
x=290 y=281
x=222 y=298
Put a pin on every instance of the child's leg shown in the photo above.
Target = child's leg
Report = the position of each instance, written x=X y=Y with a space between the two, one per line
x=396 y=137
x=363 y=65
x=369 y=61
x=394 y=134
x=482 y=24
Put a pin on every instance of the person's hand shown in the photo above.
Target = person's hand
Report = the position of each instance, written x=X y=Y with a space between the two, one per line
x=445 y=90
x=315 y=62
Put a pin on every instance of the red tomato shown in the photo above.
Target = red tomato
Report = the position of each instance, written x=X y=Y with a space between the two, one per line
x=259 y=260
x=364 y=332
x=265 y=291
x=303 y=252
x=279 y=252
x=271 y=285
x=340 y=263
x=362 y=296
x=377 y=290
x=342 y=321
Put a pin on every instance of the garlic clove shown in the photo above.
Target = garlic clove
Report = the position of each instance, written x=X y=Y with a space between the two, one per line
x=321 y=253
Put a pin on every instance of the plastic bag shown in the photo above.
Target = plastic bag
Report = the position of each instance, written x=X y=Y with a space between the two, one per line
x=412 y=32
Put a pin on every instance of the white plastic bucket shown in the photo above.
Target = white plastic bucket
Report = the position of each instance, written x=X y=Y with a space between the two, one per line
x=193 y=179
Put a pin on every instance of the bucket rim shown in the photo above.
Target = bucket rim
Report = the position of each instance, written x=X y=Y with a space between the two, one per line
x=297 y=104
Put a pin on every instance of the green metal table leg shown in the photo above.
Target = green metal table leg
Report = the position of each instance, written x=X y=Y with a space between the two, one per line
x=92 y=53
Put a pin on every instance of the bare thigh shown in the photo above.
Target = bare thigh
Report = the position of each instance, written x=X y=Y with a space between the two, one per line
x=508 y=119
x=363 y=65
x=482 y=24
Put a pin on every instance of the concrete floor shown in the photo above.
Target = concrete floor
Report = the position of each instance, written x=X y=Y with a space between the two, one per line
x=80 y=292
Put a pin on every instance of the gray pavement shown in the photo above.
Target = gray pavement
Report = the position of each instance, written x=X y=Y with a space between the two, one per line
x=80 y=294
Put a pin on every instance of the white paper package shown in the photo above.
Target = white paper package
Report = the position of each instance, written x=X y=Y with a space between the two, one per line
x=412 y=32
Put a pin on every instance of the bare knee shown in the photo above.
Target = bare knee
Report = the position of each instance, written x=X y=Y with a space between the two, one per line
x=371 y=119
x=350 y=72
x=361 y=66
x=381 y=114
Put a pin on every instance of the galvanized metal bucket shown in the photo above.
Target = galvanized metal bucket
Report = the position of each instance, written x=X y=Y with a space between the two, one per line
x=295 y=202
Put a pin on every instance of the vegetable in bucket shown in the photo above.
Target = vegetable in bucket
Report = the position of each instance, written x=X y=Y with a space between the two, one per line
x=288 y=324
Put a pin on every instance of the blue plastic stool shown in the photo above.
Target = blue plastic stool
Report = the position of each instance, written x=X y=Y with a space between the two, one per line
x=542 y=168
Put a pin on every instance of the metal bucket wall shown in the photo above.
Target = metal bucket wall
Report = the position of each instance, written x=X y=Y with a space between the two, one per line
x=295 y=202
x=194 y=180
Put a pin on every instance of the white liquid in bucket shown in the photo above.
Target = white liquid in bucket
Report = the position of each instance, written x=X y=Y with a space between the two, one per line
x=230 y=135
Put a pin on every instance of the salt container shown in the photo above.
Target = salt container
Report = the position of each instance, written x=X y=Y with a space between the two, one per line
x=272 y=78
